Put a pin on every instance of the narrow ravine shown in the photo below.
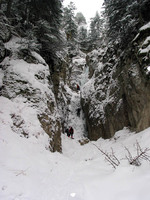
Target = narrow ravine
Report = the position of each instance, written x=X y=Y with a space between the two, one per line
x=76 y=119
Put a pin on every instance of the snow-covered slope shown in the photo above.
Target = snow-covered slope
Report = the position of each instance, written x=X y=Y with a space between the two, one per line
x=30 y=172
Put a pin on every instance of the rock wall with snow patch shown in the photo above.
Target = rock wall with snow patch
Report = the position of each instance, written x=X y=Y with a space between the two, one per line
x=135 y=80
x=26 y=85
x=117 y=94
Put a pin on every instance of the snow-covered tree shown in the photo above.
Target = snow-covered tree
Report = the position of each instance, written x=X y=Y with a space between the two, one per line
x=82 y=34
x=124 y=19
x=70 y=25
x=42 y=21
x=95 y=30
x=82 y=31
x=38 y=21
x=80 y=19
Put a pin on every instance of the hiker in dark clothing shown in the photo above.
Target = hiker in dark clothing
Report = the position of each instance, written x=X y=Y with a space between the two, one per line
x=71 y=131
x=67 y=131
x=78 y=112
x=78 y=88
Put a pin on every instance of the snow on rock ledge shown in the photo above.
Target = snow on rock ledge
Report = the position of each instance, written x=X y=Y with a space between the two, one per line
x=27 y=98
x=117 y=94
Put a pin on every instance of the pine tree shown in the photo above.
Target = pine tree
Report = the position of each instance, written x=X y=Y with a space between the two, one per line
x=80 y=19
x=82 y=31
x=70 y=25
x=42 y=21
x=124 y=19
x=95 y=30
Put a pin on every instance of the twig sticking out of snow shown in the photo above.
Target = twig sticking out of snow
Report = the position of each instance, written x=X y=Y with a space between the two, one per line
x=133 y=160
x=111 y=158
x=21 y=172
x=141 y=155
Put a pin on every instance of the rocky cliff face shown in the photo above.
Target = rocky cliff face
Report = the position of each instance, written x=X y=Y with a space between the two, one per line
x=135 y=80
x=26 y=84
x=117 y=94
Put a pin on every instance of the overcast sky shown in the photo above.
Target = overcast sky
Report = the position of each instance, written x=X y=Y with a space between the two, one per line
x=87 y=7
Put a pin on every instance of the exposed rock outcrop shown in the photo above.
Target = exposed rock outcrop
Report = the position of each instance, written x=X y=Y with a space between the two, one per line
x=135 y=80
x=28 y=84
x=117 y=94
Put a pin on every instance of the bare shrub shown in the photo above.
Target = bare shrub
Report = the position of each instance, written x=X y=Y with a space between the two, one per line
x=109 y=157
x=141 y=155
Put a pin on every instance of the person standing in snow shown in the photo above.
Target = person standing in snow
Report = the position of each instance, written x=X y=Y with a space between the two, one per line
x=78 y=88
x=78 y=112
x=71 y=131
x=67 y=131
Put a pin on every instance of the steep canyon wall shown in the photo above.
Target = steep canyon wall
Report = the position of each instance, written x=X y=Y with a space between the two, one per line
x=118 y=94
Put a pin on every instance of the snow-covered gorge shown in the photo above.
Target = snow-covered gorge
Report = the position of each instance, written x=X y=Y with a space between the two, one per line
x=29 y=109
x=111 y=95
x=71 y=73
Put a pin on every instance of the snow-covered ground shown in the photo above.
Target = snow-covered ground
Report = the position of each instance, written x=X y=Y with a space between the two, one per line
x=28 y=171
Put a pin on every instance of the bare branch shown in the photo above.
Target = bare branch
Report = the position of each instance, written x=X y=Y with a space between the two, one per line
x=141 y=155
x=111 y=158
